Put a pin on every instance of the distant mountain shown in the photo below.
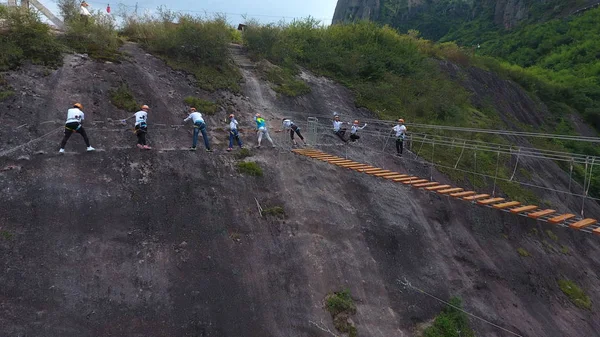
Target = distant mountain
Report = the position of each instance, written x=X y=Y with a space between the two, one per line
x=436 y=19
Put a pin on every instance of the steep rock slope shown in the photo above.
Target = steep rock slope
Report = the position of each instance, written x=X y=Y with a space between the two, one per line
x=168 y=242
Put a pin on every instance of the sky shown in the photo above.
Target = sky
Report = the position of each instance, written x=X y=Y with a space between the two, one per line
x=266 y=11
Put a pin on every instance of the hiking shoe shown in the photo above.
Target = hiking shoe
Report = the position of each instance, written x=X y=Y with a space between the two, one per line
x=209 y=150
x=229 y=149
x=61 y=151
x=146 y=147
x=140 y=146
x=90 y=149
x=193 y=148
x=399 y=154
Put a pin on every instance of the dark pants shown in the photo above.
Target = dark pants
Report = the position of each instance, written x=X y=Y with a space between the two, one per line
x=399 y=145
x=341 y=133
x=354 y=137
x=140 y=132
x=74 y=127
x=233 y=135
x=296 y=130
x=200 y=127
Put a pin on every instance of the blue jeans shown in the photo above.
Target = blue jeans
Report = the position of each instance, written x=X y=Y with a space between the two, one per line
x=234 y=134
x=200 y=127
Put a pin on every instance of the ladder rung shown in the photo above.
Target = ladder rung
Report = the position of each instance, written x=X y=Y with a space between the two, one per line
x=397 y=176
x=522 y=209
x=373 y=169
x=362 y=169
x=399 y=180
x=377 y=172
x=438 y=187
x=389 y=174
x=490 y=201
x=431 y=183
x=354 y=166
x=506 y=205
x=411 y=182
x=476 y=197
x=333 y=161
x=597 y=231
x=561 y=218
x=347 y=164
x=450 y=190
x=463 y=194
x=539 y=214
x=583 y=223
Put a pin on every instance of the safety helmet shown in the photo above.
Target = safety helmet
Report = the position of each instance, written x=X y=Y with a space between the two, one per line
x=257 y=115
x=145 y=107
x=401 y=120
x=192 y=109
x=356 y=121
x=337 y=117
x=78 y=105
x=231 y=116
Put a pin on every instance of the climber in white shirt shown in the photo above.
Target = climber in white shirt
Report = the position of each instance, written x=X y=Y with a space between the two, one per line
x=75 y=117
x=288 y=124
x=233 y=133
x=400 y=131
x=353 y=131
x=338 y=128
x=199 y=126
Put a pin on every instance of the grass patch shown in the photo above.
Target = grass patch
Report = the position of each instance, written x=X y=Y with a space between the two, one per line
x=4 y=94
x=523 y=252
x=449 y=321
x=122 y=98
x=575 y=294
x=341 y=306
x=202 y=105
x=250 y=168
x=6 y=235
x=243 y=153
x=276 y=211
x=552 y=236
x=565 y=250
x=286 y=83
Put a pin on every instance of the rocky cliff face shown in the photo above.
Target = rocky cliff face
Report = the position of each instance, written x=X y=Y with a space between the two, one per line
x=504 y=13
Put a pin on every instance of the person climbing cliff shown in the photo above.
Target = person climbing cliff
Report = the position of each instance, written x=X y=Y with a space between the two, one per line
x=199 y=126
x=261 y=126
x=354 y=131
x=338 y=128
x=288 y=124
x=400 y=131
x=233 y=133
x=75 y=117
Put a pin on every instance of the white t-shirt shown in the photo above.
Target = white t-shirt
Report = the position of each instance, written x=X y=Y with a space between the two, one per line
x=141 y=117
x=233 y=124
x=75 y=115
x=355 y=128
x=84 y=11
x=195 y=117
x=400 y=130
x=337 y=125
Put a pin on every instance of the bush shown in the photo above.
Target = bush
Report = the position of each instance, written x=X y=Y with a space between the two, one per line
x=243 y=153
x=250 y=168
x=95 y=35
x=198 y=46
x=285 y=82
x=122 y=98
x=450 y=323
x=27 y=38
x=523 y=252
x=341 y=305
x=575 y=294
x=276 y=211
x=203 y=106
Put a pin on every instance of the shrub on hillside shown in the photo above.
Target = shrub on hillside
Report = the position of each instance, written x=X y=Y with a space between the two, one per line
x=450 y=322
x=95 y=36
x=193 y=44
x=123 y=98
x=202 y=105
x=26 y=38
